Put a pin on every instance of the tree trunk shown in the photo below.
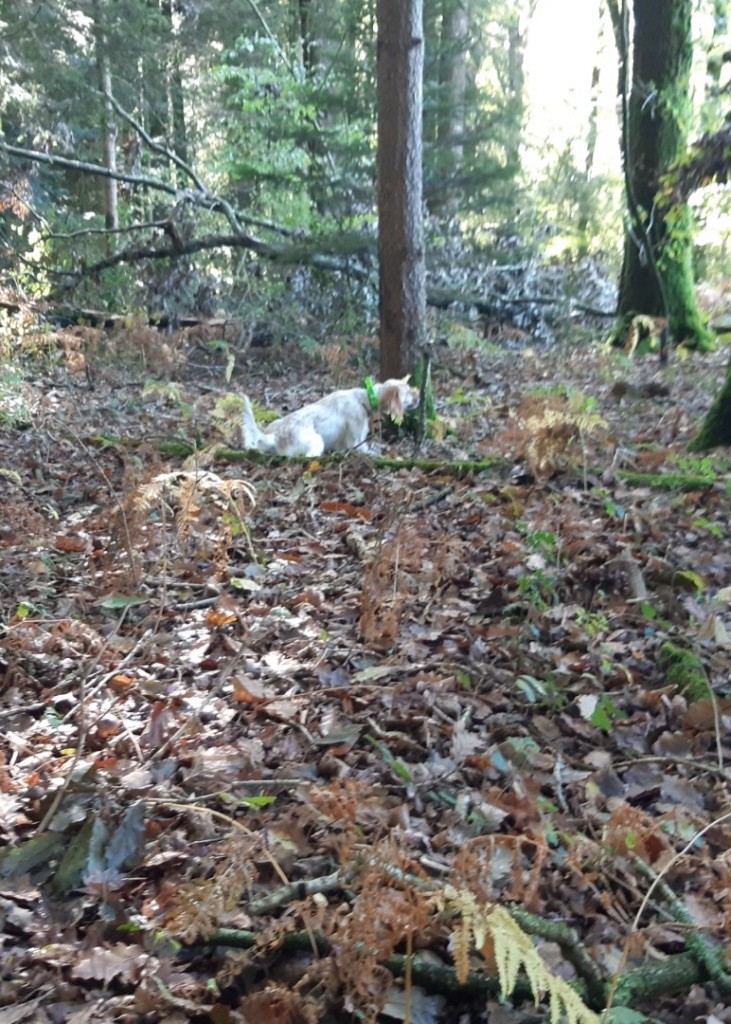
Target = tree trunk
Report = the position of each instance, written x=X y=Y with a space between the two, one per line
x=307 y=41
x=402 y=276
x=716 y=427
x=452 y=91
x=657 y=113
x=517 y=21
x=585 y=189
x=176 y=98
x=109 y=127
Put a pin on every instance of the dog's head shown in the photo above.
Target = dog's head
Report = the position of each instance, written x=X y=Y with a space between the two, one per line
x=397 y=397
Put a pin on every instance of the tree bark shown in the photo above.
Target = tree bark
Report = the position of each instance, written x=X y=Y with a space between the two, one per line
x=176 y=96
x=585 y=189
x=517 y=21
x=402 y=274
x=657 y=111
x=109 y=126
x=452 y=89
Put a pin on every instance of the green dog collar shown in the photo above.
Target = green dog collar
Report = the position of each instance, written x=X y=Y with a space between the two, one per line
x=371 y=391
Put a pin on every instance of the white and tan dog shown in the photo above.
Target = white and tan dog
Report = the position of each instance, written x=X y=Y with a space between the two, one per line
x=339 y=421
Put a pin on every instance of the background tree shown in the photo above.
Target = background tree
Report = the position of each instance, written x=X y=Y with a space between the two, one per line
x=401 y=257
x=657 y=272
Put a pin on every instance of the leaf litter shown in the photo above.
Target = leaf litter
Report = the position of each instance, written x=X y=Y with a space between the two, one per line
x=329 y=700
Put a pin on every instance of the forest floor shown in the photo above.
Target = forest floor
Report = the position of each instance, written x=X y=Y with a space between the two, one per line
x=417 y=693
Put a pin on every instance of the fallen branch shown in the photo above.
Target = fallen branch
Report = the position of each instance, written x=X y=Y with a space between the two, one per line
x=669 y=481
x=494 y=302
x=711 y=959
x=183 y=449
x=431 y=976
x=675 y=974
x=302 y=253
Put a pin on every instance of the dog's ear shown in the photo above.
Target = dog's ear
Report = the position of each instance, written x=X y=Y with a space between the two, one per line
x=391 y=402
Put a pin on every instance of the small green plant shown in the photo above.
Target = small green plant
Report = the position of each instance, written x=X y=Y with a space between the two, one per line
x=715 y=529
x=308 y=344
x=539 y=589
x=542 y=692
x=397 y=766
x=612 y=508
x=693 y=465
x=593 y=623
x=14 y=411
x=227 y=414
x=255 y=802
x=264 y=415
x=464 y=339
x=542 y=542
x=605 y=713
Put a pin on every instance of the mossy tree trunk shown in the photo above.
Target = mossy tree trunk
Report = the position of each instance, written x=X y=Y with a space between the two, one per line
x=657 y=118
x=716 y=427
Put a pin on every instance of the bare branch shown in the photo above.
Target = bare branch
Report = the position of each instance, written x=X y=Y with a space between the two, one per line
x=213 y=201
x=201 y=196
x=262 y=21
x=87 y=168
x=321 y=261
x=150 y=225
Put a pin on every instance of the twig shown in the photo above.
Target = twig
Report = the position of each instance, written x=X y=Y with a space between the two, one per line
x=83 y=729
x=296 y=891
x=687 y=762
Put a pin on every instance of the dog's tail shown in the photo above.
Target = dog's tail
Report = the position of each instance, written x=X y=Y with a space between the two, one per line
x=253 y=437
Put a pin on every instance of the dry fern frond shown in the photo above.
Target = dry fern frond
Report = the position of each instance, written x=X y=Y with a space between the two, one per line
x=386 y=913
x=201 y=905
x=207 y=510
x=279 y=1004
x=547 y=429
x=630 y=830
x=491 y=928
x=177 y=488
x=382 y=598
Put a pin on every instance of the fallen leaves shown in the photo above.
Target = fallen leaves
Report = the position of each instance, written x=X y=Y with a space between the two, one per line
x=238 y=678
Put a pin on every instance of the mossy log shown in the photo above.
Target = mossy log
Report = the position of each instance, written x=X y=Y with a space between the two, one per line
x=182 y=449
x=178 y=448
x=649 y=982
x=669 y=481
